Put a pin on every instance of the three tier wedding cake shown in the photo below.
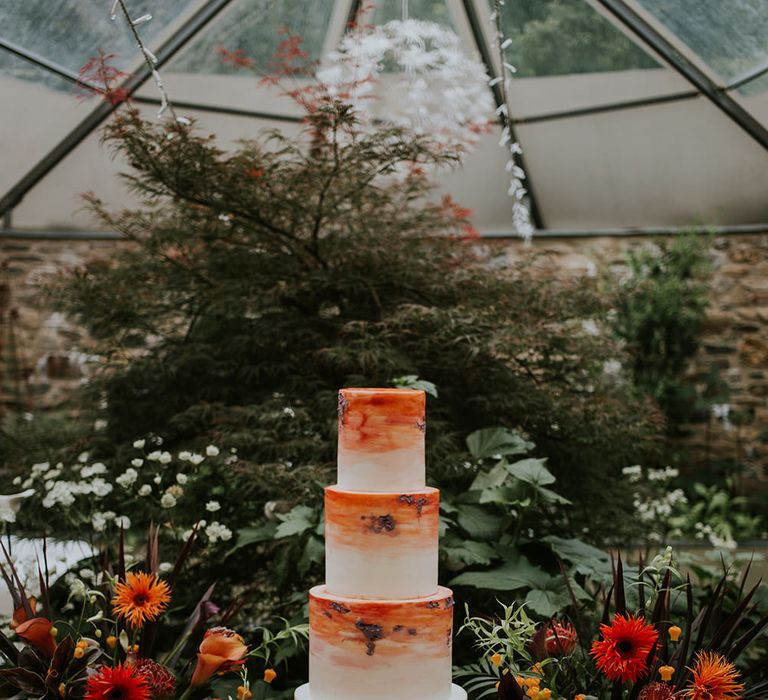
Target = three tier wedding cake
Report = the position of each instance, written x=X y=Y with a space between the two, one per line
x=381 y=628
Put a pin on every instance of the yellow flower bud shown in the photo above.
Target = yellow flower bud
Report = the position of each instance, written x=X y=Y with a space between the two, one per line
x=674 y=633
x=533 y=691
x=111 y=641
x=53 y=632
x=496 y=660
x=666 y=673
x=269 y=675
x=545 y=694
x=62 y=690
x=78 y=653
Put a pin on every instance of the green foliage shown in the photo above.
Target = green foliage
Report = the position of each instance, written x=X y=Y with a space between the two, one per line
x=262 y=279
x=660 y=307
x=561 y=37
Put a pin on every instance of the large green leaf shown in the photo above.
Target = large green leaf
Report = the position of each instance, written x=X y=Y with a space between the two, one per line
x=252 y=535
x=584 y=558
x=490 y=442
x=550 y=598
x=478 y=522
x=299 y=520
x=412 y=381
x=510 y=576
x=496 y=476
x=532 y=471
x=468 y=552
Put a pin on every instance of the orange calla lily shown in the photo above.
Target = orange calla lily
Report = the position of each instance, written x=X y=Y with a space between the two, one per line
x=220 y=651
x=37 y=632
x=20 y=614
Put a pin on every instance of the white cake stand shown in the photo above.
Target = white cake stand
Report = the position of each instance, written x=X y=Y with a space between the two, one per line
x=302 y=693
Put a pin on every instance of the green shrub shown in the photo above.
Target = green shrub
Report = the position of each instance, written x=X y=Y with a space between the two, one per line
x=263 y=279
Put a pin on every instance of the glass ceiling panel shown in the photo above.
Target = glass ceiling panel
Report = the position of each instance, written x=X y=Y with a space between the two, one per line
x=256 y=28
x=432 y=10
x=731 y=36
x=562 y=37
x=31 y=95
x=70 y=32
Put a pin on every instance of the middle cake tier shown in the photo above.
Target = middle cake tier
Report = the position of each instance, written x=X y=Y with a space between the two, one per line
x=381 y=545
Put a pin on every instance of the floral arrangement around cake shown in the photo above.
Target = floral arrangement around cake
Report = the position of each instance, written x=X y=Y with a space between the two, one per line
x=654 y=643
x=110 y=651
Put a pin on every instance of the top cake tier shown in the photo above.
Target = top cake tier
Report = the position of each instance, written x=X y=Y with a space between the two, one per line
x=381 y=440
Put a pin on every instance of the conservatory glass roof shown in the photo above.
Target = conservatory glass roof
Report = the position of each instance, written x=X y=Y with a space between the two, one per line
x=664 y=103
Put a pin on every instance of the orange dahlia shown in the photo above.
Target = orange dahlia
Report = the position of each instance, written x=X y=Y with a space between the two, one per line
x=714 y=678
x=141 y=597
x=117 y=683
x=622 y=653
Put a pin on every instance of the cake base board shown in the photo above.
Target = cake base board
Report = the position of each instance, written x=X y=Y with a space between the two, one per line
x=302 y=693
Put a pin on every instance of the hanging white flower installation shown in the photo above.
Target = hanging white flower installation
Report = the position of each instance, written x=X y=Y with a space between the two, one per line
x=431 y=86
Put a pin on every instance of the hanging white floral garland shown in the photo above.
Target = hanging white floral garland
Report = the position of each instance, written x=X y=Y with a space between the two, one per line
x=432 y=87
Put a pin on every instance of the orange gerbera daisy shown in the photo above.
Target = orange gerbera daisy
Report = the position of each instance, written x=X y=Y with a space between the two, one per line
x=141 y=597
x=117 y=683
x=622 y=653
x=714 y=678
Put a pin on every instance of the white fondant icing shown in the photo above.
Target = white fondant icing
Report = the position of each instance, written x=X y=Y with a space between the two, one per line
x=386 y=472
x=371 y=574
x=303 y=693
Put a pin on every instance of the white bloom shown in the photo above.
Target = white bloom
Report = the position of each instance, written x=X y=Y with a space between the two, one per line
x=165 y=458
x=154 y=456
x=83 y=457
x=40 y=468
x=17 y=481
x=157 y=479
x=137 y=462
x=7 y=515
x=100 y=424
x=168 y=500
x=185 y=455
x=99 y=520
x=182 y=478
x=145 y=490
x=216 y=531
x=52 y=474
x=288 y=411
x=88 y=471
x=86 y=573
x=212 y=506
x=123 y=521
x=127 y=478
x=138 y=444
x=164 y=567
x=100 y=487
x=196 y=459
x=212 y=450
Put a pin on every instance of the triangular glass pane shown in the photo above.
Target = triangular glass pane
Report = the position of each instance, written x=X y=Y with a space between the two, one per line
x=562 y=37
x=255 y=28
x=39 y=109
x=70 y=32
x=731 y=36
x=431 y=10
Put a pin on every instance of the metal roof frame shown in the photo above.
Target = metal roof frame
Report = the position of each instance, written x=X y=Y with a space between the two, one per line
x=177 y=40
x=622 y=13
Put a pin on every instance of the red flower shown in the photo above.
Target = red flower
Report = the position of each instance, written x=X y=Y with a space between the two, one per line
x=118 y=683
x=657 y=691
x=623 y=651
x=714 y=678
x=20 y=614
x=561 y=638
x=161 y=682
x=37 y=632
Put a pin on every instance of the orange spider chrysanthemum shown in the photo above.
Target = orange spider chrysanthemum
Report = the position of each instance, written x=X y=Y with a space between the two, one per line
x=141 y=597
x=117 y=683
x=622 y=653
x=714 y=678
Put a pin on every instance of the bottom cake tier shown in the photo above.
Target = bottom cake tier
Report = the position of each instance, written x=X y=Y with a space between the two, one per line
x=380 y=649
x=304 y=693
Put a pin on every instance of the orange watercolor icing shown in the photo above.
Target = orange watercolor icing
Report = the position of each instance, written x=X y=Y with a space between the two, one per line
x=406 y=521
x=360 y=633
x=380 y=420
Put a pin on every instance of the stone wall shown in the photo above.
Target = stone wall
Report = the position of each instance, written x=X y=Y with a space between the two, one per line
x=43 y=355
x=734 y=344
x=52 y=353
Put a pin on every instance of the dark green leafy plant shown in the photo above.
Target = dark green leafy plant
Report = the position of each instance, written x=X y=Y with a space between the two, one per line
x=660 y=307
